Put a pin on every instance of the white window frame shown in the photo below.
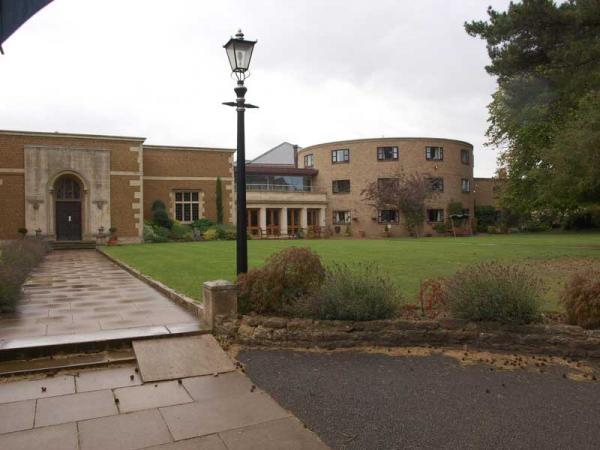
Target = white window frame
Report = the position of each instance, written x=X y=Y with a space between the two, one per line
x=381 y=153
x=310 y=158
x=345 y=152
x=335 y=183
x=347 y=217
x=439 y=215
x=380 y=216
x=190 y=202
x=465 y=185
x=434 y=153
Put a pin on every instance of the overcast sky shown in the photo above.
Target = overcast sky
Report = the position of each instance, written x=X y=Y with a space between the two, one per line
x=322 y=70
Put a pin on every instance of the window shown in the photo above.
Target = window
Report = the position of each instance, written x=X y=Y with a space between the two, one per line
x=435 y=215
x=309 y=160
x=464 y=156
x=340 y=186
x=387 y=153
x=387 y=216
x=465 y=185
x=437 y=184
x=434 y=153
x=341 y=217
x=340 y=156
x=187 y=206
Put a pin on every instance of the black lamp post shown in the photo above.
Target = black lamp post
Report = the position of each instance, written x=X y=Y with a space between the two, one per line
x=239 y=52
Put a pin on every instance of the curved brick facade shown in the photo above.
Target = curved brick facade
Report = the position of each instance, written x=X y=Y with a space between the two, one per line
x=364 y=167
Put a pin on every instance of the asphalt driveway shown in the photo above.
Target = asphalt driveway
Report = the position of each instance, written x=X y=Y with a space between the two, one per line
x=369 y=401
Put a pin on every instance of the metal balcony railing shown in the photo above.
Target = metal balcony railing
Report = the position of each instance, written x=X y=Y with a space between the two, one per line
x=280 y=188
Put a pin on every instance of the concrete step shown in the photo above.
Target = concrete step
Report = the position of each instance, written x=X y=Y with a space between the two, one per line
x=15 y=349
x=72 y=245
x=51 y=364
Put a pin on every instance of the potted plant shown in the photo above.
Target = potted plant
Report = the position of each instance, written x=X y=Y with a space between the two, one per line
x=23 y=232
x=113 y=236
x=387 y=230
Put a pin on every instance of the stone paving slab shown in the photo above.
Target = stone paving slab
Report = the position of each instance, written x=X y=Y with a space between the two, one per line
x=282 y=434
x=75 y=292
x=74 y=407
x=124 y=432
x=220 y=414
x=17 y=416
x=95 y=380
x=151 y=395
x=225 y=385
x=212 y=442
x=181 y=357
x=32 y=389
x=58 y=437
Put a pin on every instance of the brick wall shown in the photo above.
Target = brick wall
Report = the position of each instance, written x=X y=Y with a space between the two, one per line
x=364 y=167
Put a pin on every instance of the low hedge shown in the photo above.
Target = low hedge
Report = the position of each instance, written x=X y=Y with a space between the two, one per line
x=17 y=260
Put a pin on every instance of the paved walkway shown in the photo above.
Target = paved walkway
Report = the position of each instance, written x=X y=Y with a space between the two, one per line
x=81 y=291
x=111 y=409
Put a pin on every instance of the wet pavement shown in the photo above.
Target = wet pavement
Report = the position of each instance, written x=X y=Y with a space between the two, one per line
x=355 y=400
x=81 y=292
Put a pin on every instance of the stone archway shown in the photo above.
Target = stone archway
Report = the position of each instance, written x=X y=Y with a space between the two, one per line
x=68 y=192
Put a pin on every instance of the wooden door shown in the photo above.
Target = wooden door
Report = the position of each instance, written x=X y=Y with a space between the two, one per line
x=68 y=221
x=273 y=222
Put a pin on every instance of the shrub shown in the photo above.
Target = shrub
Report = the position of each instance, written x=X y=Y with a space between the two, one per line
x=287 y=276
x=180 y=232
x=148 y=233
x=22 y=231
x=352 y=293
x=203 y=224
x=227 y=232
x=485 y=216
x=158 y=205
x=581 y=299
x=442 y=227
x=212 y=234
x=161 y=218
x=494 y=291
x=17 y=259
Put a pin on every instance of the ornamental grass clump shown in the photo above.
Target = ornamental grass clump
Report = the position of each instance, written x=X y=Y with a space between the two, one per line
x=581 y=299
x=17 y=259
x=287 y=277
x=358 y=292
x=493 y=291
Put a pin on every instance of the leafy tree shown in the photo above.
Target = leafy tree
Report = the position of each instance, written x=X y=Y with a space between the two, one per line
x=219 y=200
x=544 y=114
x=404 y=193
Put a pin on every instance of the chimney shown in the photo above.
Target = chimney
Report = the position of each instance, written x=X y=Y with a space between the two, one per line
x=295 y=156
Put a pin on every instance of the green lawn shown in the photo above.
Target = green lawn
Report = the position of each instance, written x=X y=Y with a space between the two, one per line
x=553 y=256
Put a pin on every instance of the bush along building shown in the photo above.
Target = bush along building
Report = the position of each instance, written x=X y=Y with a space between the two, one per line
x=74 y=187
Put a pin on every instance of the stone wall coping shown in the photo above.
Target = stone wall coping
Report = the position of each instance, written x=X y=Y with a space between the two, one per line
x=219 y=285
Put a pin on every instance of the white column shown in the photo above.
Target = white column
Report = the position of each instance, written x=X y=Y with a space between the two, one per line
x=304 y=219
x=262 y=220
x=323 y=217
x=283 y=221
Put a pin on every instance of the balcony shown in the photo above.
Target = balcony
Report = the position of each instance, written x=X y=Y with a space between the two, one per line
x=280 y=188
x=284 y=194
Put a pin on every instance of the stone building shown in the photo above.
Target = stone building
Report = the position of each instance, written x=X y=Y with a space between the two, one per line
x=70 y=186
x=320 y=186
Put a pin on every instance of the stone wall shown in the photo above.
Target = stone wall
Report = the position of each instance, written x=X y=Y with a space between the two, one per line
x=563 y=340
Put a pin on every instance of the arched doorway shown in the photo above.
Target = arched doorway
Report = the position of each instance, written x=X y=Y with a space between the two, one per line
x=68 y=208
